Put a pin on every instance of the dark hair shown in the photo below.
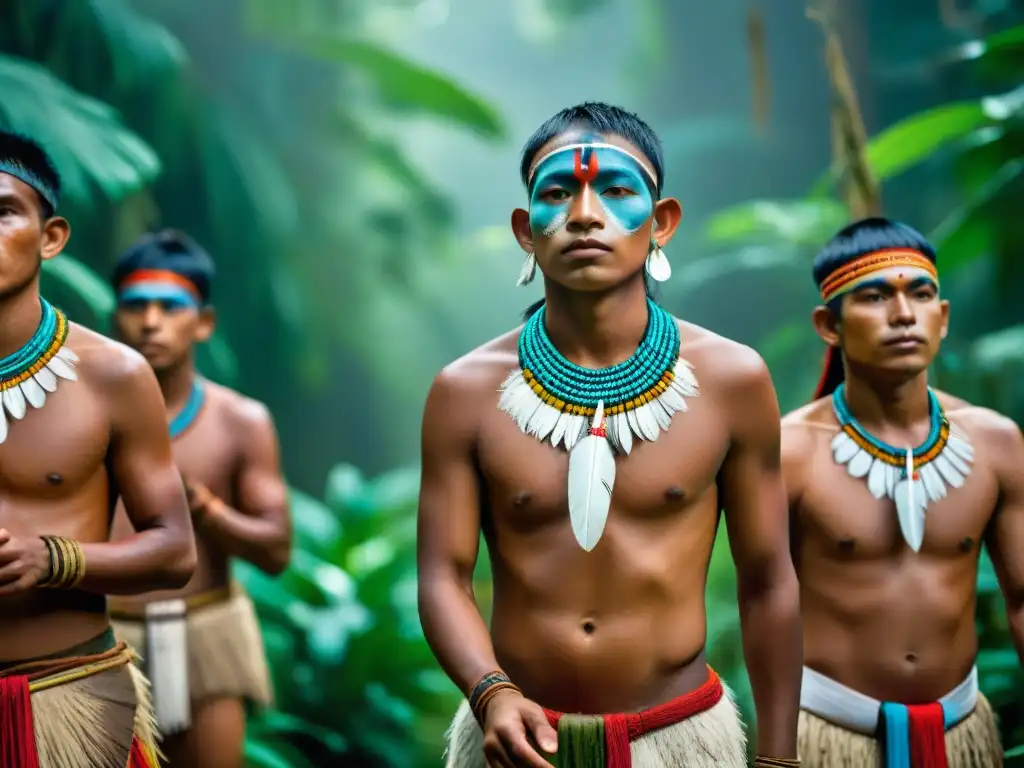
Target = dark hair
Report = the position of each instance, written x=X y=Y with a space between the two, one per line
x=851 y=242
x=601 y=118
x=27 y=161
x=171 y=250
x=863 y=237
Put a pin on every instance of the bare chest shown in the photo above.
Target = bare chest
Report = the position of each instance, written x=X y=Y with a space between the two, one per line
x=839 y=515
x=526 y=480
x=58 y=448
x=207 y=453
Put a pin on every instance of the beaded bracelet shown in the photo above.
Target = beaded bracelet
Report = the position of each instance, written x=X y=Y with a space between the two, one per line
x=67 y=563
x=776 y=762
x=489 y=685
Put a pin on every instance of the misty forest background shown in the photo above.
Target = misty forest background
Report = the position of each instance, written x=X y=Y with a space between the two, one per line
x=352 y=166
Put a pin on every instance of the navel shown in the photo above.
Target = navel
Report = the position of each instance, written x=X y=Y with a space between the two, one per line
x=54 y=479
x=588 y=627
x=846 y=546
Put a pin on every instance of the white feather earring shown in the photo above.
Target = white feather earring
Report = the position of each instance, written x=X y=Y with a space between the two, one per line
x=529 y=270
x=657 y=263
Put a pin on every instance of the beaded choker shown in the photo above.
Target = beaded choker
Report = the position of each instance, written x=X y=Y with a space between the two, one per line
x=912 y=477
x=188 y=415
x=559 y=402
x=26 y=376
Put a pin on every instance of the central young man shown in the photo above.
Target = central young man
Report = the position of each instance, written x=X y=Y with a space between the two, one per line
x=597 y=476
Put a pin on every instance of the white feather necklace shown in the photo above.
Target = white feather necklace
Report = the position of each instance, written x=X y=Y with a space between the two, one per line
x=912 y=477
x=30 y=374
x=596 y=413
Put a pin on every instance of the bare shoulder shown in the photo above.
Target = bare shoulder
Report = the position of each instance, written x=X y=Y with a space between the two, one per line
x=245 y=412
x=984 y=426
x=803 y=428
x=115 y=367
x=480 y=371
x=725 y=363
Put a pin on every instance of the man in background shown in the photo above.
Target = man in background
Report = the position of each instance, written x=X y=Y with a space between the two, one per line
x=203 y=646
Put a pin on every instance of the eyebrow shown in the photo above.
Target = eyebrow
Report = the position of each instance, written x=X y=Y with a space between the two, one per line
x=878 y=283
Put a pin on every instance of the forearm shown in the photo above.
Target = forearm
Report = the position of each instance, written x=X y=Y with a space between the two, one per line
x=262 y=542
x=773 y=650
x=456 y=631
x=154 y=559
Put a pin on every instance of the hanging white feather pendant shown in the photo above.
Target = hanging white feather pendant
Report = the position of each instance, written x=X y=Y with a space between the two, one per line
x=30 y=374
x=529 y=270
x=591 y=479
x=658 y=266
x=891 y=473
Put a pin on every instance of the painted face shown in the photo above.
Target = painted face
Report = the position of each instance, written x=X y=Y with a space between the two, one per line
x=891 y=315
x=159 y=313
x=621 y=184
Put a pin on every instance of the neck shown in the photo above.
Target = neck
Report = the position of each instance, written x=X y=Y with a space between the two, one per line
x=596 y=330
x=176 y=384
x=20 y=314
x=898 y=403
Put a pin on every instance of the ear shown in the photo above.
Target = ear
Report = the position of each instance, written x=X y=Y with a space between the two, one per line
x=521 y=229
x=944 y=307
x=207 y=324
x=668 y=212
x=56 y=232
x=826 y=325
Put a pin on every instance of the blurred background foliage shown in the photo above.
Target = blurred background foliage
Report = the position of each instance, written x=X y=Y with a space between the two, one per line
x=351 y=166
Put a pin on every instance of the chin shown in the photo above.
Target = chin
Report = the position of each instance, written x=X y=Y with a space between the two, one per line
x=593 y=278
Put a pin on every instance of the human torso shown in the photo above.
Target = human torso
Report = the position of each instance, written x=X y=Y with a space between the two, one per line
x=891 y=623
x=621 y=627
x=54 y=481
x=207 y=452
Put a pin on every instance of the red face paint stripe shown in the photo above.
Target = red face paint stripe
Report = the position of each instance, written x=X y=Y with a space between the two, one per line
x=585 y=172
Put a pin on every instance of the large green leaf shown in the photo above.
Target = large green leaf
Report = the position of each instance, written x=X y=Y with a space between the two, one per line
x=1000 y=54
x=995 y=350
x=405 y=85
x=85 y=138
x=796 y=222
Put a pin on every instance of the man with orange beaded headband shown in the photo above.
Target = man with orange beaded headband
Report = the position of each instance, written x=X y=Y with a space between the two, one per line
x=597 y=477
x=893 y=487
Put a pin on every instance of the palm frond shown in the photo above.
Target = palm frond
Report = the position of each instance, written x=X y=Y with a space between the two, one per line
x=85 y=138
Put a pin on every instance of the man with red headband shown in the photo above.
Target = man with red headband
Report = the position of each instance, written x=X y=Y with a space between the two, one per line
x=202 y=644
x=893 y=488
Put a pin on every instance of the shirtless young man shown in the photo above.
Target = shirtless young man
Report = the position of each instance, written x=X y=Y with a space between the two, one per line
x=594 y=617
x=888 y=581
x=208 y=662
x=81 y=420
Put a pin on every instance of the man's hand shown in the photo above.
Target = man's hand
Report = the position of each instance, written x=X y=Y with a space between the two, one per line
x=23 y=563
x=199 y=498
x=511 y=722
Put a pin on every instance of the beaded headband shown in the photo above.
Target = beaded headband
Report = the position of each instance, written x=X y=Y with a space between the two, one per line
x=158 y=284
x=592 y=145
x=20 y=172
x=852 y=274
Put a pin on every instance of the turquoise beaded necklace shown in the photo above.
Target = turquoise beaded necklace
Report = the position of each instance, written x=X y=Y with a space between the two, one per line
x=912 y=477
x=596 y=413
x=188 y=415
x=554 y=399
x=28 y=375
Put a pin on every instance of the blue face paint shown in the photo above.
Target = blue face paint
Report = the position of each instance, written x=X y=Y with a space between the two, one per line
x=169 y=295
x=623 y=186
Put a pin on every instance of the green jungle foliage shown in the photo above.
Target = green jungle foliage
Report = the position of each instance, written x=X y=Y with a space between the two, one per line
x=111 y=87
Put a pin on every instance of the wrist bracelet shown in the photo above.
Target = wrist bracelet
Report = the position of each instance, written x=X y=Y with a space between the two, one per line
x=67 y=563
x=483 y=691
x=776 y=762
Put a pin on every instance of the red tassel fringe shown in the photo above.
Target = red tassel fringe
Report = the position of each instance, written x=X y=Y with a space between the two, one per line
x=17 y=735
x=138 y=757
